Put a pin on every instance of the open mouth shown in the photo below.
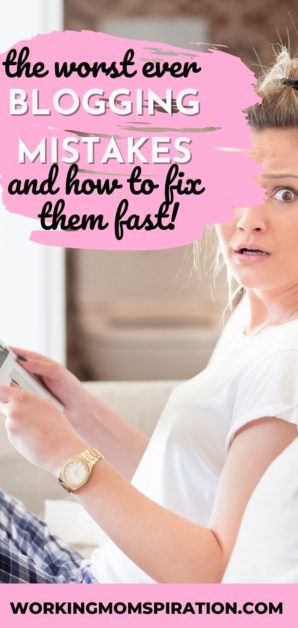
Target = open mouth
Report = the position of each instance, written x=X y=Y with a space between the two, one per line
x=246 y=251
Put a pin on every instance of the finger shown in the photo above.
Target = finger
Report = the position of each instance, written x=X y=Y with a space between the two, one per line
x=17 y=393
x=43 y=368
x=37 y=364
x=27 y=354
x=7 y=393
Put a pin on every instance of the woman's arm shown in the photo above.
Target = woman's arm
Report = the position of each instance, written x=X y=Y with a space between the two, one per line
x=121 y=444
x=168 y=547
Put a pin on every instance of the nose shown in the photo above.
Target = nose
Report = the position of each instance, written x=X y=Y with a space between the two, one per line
x=250 y=219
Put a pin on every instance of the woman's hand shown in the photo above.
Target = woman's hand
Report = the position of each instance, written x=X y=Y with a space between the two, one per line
x=37 y=429
x=93 y=421
x=59 y=381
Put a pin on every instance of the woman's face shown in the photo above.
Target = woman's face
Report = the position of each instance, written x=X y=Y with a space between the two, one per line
x=270 y=229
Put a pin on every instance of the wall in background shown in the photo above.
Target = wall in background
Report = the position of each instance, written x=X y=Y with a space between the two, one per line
x=32 y=276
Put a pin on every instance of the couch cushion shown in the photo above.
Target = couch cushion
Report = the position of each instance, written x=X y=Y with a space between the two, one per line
x=140 y=403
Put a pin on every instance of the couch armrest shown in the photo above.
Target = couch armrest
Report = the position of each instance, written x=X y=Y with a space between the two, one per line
x=140 y=403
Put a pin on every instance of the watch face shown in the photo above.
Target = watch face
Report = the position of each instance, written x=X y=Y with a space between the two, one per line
x=75 y=473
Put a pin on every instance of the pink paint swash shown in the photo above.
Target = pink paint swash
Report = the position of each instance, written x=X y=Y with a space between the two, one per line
x=167 y=141
x=141 y=606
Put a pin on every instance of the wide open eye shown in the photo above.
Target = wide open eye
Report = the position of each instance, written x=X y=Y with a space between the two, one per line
x=286 y=195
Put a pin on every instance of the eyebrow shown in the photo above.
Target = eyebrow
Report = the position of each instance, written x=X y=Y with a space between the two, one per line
x=279 y=176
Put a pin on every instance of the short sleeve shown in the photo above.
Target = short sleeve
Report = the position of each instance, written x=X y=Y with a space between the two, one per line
x=269 y=388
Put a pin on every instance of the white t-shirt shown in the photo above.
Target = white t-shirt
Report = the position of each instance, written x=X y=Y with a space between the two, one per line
x=246 y=379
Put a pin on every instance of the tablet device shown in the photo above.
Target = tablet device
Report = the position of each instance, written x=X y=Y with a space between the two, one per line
x=12 y=371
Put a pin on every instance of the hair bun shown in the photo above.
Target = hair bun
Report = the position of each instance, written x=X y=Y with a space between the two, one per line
x=290 y=82
x=279 y=107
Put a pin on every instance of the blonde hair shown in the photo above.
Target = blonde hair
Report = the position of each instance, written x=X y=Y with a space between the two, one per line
x=279 y=109
x=279 y=106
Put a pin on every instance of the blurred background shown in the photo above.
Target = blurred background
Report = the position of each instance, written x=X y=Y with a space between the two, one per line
x=140 y=315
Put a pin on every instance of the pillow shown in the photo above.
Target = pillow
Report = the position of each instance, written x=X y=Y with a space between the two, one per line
x=266 y=549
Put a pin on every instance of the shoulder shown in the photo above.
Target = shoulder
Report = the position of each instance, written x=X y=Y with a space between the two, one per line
x=267 y=382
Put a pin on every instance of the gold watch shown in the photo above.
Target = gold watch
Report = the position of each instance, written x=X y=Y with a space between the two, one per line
x=76 y=471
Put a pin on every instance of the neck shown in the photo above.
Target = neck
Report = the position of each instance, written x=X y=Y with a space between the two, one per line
x=267 y=307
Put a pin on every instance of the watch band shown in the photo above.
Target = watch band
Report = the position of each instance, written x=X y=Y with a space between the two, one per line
x=89 y=457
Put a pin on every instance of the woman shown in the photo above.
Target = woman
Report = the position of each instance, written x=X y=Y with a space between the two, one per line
x=178 y=520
